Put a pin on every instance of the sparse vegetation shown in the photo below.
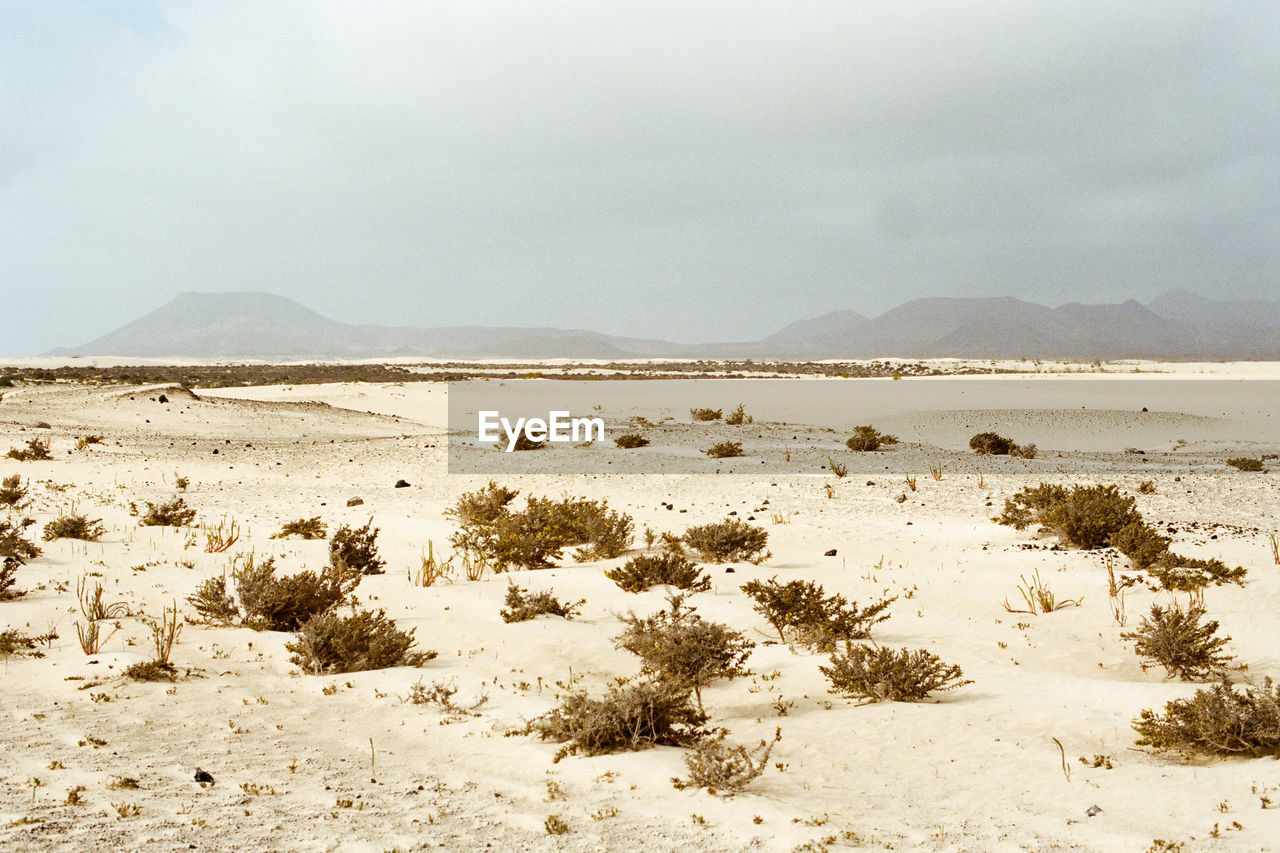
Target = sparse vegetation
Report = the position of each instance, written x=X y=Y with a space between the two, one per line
x=706 y=414
x=839 y=469
x=12 y=492
x=628 y=717
x=8 y=578
x=881 y=674
x=994 y=444
x=331 y=643
x=1177 y=640
x=74 y=527
x=523 y=605
x=1038 y=597
x=14 y=642
x=285 y=603
x=867 y=438
x=725 y=769
x=738 y=417
x=731 y=539
x=1243 y=463
x=174 y=513
x=631 y=440
x=725 y=450
x=801 y=612
x=13 y=544
x=1219 y=720
x=668 y=568
x=213 y=603
x=37 y=450
x=1084 y=516
x=307 y=528
x=1141 y=544
x=355 y=549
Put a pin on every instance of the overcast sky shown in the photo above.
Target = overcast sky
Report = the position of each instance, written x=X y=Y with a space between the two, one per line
x=692 y=171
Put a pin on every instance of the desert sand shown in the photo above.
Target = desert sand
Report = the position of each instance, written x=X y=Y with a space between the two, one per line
x=305 y=762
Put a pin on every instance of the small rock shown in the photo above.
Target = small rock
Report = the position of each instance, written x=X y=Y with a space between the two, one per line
x=902 y=498
x=729 y=571
x=871 y=482
x=1096 y=810
x=162 y=399
x=42 y=425
x=204 y=777
x=402 y=484
x=355 y=502
x=830 y=553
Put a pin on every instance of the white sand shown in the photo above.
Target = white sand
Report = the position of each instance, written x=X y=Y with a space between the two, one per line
x=976 y=770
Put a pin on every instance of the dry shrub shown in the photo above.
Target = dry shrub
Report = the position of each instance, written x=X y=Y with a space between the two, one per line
x=331 y=643
x=727 y=540
x=152 y=670
x=355 y=549
x=523 y=605
x=1084 y=516
x=669 y=568
x=677 y=646
x=802 y=613
x=723 y=768
x=13 y=544
x=866 y=438
x=1219 y=720
x=174 y=513
x=37 y=450
x=631 y=440
x=8 y=578
x=627 y=718
x=213 y=603
x=994 y=444
x=14 y=642
x=307 y=528
x=725 y=450
x=1189 y=574
x=1243 y=463
x=706 y=414
x=739 y=417
x=284 y=603
x=74 y=527
x=881 y=674
x=1175 y=639
x=12 y=492
x=1140 y=543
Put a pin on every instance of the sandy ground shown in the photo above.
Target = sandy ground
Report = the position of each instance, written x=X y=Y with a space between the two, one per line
x=342 y=763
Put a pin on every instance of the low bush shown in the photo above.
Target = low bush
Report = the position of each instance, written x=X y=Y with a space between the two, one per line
x=332 y=643
x=152 y=670
x=1189 y=574
x=174 y=513
x=355 y=549
x=669 y=568
x=867 y=438
x=994 y=444
x=213 y=603
x=74 y=527
x=276 y=603
x=1140 y=543
x=1084 y=516
x=1147 y=487
x=307 y=528
x=1220 y=720
x=14 y=642
x=679 y=647
x=8 y=579
x=801 y=612
x=631 y=440
x=36 y=450
x=723 y=768
x=1243 y=463
x=523 y=605
x=628 y=717
x=879 y=674
x=738 y=417
x=13 y=544
x=725 y=450
x=536 y=536
x=706 y=414
x=731 y=539
x=1177 y=640
x=12 y=492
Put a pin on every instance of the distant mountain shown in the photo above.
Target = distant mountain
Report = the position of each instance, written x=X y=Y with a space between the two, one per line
x=1177 y=326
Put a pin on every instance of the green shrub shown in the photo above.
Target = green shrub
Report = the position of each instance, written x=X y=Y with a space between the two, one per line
x=801 y=612
x=536 y=536
x=1176 y=639
x=679 y=647
x=355 y=549
x=631 y=440
x=879 y=674
x=725 y=450
x=1084 y=516
x=738 y=417
x=1141 y=544
x=731 y=539
x=866 y=438
x=74 y=527
x=993 y=444
x=706 y=414
x=1218 y=721
x=12 y=492
x=14 y=544
x=36 y=450
x=174 y=513
x=523 y=605
x=1242 y=463
x=627 y=718
x=669 y=568
x=284 y=603
x=213 y=603
x=1188 y=574
x=725 y=769
x=14 y=642
x=8 y=578
x=307 y=528
x=331 y=643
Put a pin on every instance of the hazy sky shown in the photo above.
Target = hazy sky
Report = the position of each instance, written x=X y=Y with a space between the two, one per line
x=693 y=171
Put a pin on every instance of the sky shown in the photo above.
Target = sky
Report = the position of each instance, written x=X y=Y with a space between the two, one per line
x=693 y=171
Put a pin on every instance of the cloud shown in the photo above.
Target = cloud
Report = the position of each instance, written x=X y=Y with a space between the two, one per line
x=659 y=169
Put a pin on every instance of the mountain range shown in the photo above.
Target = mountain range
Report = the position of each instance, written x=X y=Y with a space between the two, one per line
x=1179 y=326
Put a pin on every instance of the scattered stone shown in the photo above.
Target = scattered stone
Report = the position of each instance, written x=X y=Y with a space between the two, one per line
x=402 y=484
x=204 y=777
x=1096 y=810
x=352 y=502
x=830 y=553
x=729 y=571
x=871 y=482
x=162 y=399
